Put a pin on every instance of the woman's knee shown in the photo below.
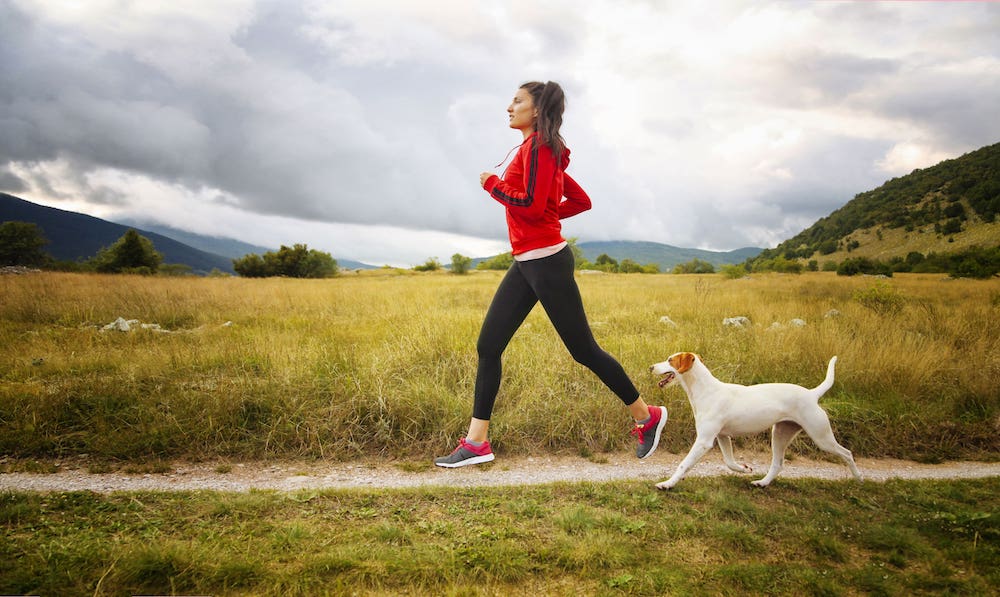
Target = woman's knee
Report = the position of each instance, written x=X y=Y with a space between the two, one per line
x=588 y=356
x=488 y=351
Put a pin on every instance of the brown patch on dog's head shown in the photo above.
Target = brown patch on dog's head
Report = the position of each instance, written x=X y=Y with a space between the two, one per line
x=682 y=361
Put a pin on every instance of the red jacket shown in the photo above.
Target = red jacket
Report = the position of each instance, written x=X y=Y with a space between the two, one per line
x=532 y=190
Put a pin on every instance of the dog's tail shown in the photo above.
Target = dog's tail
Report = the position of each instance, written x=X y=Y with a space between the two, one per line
x=828 y=382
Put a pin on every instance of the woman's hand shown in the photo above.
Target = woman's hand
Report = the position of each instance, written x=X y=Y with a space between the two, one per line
x=484 y=177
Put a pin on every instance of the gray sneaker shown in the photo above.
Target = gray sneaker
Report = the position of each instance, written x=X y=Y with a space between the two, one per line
x=649 y=433
x=466 y=454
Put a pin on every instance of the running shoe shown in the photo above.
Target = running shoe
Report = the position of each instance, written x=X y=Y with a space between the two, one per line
x=466 y=454
x=649 y=432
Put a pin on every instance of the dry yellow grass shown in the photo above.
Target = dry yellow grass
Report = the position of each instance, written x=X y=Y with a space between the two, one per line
x=385 y=363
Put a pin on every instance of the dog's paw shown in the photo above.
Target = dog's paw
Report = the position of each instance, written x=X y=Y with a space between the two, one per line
x=666 y=485
x=759 y=483
x=747 y=468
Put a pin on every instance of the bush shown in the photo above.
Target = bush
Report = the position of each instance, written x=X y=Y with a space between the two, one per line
x=21 y=244
x=733 y=272
x=431 y=265
x=778 y=264
x=863 y=265
x=132 y=253
x=292 y=262
x=695 y=266
x=460 y=264
x=881 y=298
x=499 y=262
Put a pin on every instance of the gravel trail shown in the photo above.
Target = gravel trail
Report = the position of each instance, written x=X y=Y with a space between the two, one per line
x=505 y=471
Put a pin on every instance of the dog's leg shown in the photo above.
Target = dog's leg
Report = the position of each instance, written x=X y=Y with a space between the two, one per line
x=782 y=434
x=701 y=447
x=726 y=446
x=818 y=428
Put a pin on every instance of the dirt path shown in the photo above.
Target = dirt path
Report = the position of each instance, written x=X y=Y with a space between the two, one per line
x=293 y=476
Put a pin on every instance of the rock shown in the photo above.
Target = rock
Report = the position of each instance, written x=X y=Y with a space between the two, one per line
x=120 y=325
x=736 y=322
x=667 y=321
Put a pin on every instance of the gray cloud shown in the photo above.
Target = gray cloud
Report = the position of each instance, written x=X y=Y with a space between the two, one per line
x=353 y=115
x=10 y=182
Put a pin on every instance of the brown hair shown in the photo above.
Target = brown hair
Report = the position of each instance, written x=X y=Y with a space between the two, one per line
x=550 y=101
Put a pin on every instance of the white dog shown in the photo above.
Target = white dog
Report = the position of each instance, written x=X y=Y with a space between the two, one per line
x=722 y=410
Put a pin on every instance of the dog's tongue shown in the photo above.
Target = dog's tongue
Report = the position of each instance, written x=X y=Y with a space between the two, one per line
x=666 y=379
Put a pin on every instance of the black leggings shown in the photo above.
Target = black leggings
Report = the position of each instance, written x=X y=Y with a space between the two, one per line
x=550 y=281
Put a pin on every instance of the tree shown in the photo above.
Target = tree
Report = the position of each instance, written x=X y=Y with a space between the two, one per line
x=501 y=261
x=21 y=244
x=460 y=263
x=132 y=253
x=297 y=261
x=695 y=266
x=606 y=263
x=578 y=257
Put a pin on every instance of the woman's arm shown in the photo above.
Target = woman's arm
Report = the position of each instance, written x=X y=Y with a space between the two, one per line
x=539 y=171
x=577 y=200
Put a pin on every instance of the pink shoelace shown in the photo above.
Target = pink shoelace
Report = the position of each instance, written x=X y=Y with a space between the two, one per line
x=638 y=432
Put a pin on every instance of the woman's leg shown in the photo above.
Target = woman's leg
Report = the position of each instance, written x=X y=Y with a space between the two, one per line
x=511 y=304
x=553 y=283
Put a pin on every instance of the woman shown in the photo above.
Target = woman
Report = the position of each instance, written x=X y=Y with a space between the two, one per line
x=532 y=191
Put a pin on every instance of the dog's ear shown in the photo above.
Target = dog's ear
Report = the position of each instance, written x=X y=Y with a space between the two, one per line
x=682 y=362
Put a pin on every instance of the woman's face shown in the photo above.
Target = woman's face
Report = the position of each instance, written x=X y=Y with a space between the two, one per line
x=522 y=111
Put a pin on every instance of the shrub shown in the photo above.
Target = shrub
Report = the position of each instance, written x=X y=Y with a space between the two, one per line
x=863 y=265
x=132 y=253
x=431 y=265
x=501 y=262
x=297 y=261
x=695 y=266
x=733 y=272
x=881 y=298
x=460 y=264
x=21 y=244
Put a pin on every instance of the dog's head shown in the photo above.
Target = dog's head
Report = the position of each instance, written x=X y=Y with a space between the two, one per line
x=676 y=365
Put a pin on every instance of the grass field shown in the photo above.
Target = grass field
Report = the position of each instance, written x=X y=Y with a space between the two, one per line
x=383 y=364
x=709 y=537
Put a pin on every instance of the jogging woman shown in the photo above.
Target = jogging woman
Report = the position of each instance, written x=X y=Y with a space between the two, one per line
x=537 y=193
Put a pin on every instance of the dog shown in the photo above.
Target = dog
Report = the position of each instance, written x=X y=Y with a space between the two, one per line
x=722 y=410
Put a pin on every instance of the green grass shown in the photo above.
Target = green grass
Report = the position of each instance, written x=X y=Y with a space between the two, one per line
x=708 y=537
x=379 y=364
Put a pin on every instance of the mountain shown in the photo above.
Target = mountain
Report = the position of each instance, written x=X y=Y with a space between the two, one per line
x=666 y=256
x=227 y=247
x=73 y=236
x=941 y=209
x=644 y=253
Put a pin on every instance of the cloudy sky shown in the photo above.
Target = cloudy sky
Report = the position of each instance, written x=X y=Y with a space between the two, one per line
x=360 y=127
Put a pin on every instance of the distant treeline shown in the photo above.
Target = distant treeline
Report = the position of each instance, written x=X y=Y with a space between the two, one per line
x=974 y=262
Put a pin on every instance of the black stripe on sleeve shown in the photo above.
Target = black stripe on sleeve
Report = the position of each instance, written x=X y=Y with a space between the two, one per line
x=532 y=175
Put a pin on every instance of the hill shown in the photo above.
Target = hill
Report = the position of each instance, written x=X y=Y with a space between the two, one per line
x=666 y=256
x=645 y=252
x=74 y=236
x=227 y=247
x=941 y=209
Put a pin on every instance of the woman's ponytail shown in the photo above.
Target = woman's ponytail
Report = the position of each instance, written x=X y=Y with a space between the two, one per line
x=550 y=101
